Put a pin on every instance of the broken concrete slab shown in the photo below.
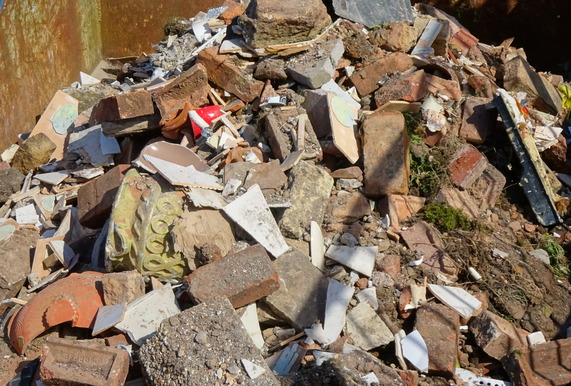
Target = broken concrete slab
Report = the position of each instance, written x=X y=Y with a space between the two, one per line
x=367 y=329
x=243 y=277
x=300 y=300
x=359 y=259
x=272 y=22
x=64 y=361
x=373 y=13
x=519 y=76
x=144 y=315
x=212 y=343
x=439 y=326
x=35 y=151
x=250 y=211
x=385 y=154
x=316 y=67
x=309 y=190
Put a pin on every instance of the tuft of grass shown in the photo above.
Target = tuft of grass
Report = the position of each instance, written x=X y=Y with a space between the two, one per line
x=556 y=256
x=446 y=218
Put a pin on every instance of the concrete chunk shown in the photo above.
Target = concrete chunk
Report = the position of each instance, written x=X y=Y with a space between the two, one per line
x=301 y=297
x=243 y=277
x=200 y=346
x=367 y=329
x=316 y=67
x=310 y=188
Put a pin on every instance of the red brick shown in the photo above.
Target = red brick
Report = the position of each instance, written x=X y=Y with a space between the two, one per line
x=439 y=326
x=243 y=277
x=129 y=105
x=347 y=208
x=366 y=79
x=466 y=166
x=65 y=362
x=556 y=156
x=415 y=87
x=389 y=264
x=385 y=154
x=409 y=378
x=191 y=86
x=476 y=120
x=234 y=10
x=496 y=336
x=546 y=364
x=482 y=86
x=4 y=165
x=95 y=198
x=226 y=74
x=399 y=207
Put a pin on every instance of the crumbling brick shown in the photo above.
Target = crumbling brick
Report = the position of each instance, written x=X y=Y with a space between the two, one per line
x=366 y=79
x=124 y=106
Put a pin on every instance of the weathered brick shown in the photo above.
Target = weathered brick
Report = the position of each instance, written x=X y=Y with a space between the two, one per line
x=122 y=287
x=226 y=74
x=316 y=67
x=385 y=154
x=466 y=165
x=347 y=208
x=389 y=264
x=547 y=364
x=496 y=336
x=129 y=105
x=366 y=79
x=95 y=198
x=399 y=207
x=243 y=277
x=191 y=86
x=276 y=138
x=234 y=10
x=439 y=326
x=66 y=362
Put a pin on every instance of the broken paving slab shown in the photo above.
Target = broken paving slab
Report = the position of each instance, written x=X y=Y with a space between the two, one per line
x=301 y=298
x=243 y=277
x=366 y=328
x=309 y=190
x=374 y=13
x=251 y=212
x=273 y=22
x=359 y=259
x=209 y=340
x=144 y=315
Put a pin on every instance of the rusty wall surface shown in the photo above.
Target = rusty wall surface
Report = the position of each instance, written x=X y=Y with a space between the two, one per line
x=43 y=46
x=45 y=43
x=131 y=27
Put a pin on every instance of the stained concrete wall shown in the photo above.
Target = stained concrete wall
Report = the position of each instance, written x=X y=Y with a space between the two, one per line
x=45 y=43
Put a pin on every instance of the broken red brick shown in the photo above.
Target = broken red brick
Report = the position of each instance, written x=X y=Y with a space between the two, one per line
x=350 y=172
x=411 y=88
x=243 y=277
x=275 y=137
x=399 y=207
x=466 y=166
x=66 y=362
x=409 y=378
x=439 y=325
x=366 y=79
x=234 y=10
x=496 y=336
x=347 y=208
x=95 y=198
x=389 y=264
x=385 y=154
x=191 y=86
x=547 y=364
x=226 y=74
x=124 y=106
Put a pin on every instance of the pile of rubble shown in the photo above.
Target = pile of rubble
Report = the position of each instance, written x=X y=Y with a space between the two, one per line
x=274 y=197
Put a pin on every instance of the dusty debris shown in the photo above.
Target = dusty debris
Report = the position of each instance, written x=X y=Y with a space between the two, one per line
x=308 y=193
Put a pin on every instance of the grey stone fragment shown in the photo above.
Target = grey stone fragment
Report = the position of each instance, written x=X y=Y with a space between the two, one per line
x=367 y=329
x=10 y=182
x=316 y=67
x=194 y=346
x=309 y=192
x=303 y=291
x=15 y=261
x=374 y=12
